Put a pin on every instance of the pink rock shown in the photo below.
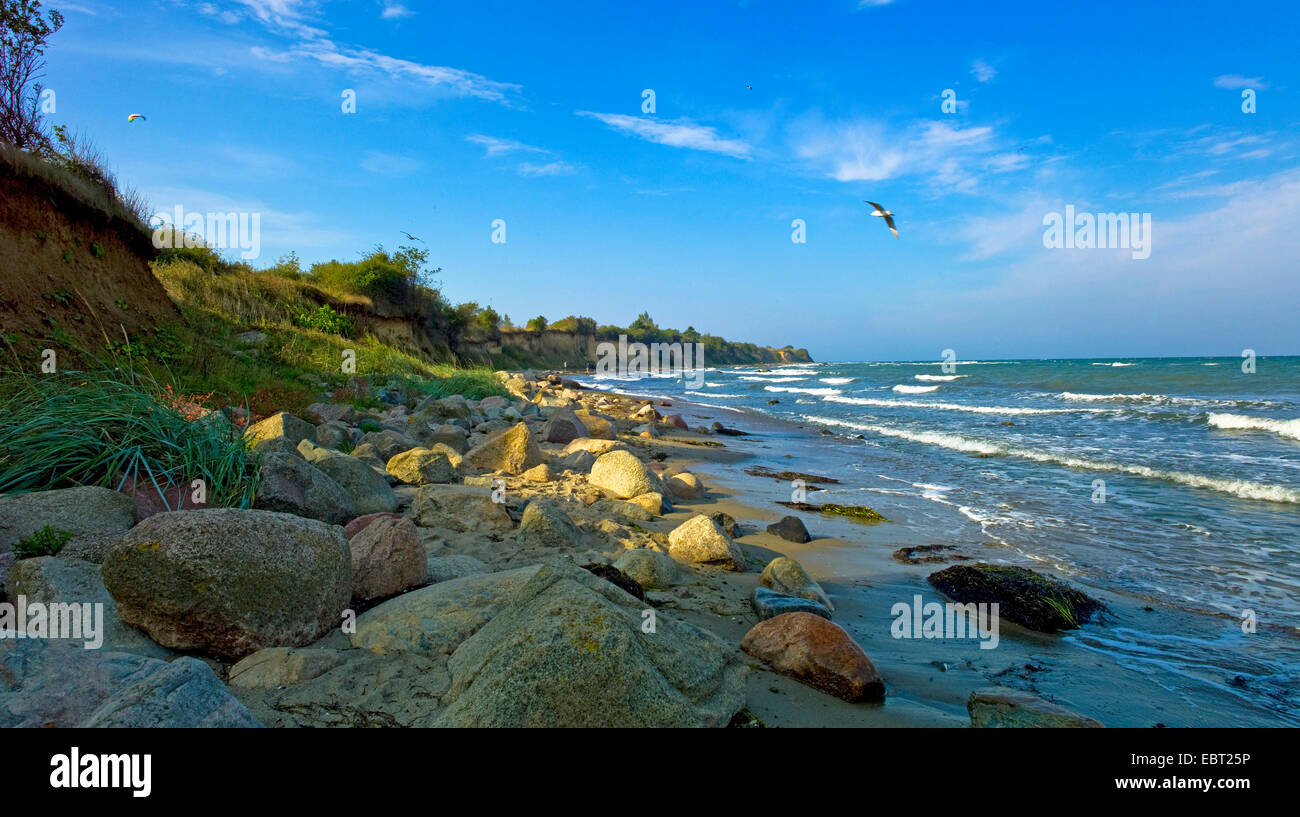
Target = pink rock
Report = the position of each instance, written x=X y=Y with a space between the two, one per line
x=362 y=522
x=387 y=558
x=817 y=652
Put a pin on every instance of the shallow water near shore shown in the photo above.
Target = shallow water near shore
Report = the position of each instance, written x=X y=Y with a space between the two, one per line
x=1199 y=520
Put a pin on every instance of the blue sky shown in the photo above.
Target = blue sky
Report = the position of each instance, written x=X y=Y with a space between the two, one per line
x=532 y=113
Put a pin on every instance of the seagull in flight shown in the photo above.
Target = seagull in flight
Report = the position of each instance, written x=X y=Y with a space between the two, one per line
x=887 y=215
x=410 y=237
x=749 y=87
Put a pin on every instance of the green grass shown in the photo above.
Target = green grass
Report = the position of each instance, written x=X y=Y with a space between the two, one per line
x=111 y=428
x=474 y=384
x=45 y=542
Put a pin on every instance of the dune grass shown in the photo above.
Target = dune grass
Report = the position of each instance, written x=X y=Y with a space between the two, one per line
x=115 y=428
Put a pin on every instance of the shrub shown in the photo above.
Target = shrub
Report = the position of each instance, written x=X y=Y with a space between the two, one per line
x=325 y=319
x=536 y=324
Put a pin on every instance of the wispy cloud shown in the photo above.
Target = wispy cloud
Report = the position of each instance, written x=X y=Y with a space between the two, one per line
x=1234 y=82
x=982 y=71
x=864 y=4
x=394 y=11
x=297 y=20
x=498 y=147
x=681 y=133
x=939 y=153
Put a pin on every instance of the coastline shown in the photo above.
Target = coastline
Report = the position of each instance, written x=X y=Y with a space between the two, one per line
x=930 y=681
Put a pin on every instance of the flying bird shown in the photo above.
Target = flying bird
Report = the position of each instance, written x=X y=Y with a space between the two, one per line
x=411 y=237
x=887 y=215
x=134 y=117
x=749 y=87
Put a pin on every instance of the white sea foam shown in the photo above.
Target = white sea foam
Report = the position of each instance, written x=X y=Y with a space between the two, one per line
x=1239 y=422
x=773 y=379
x=713 y=394
x=1156 y=400
x=902 y=389
x=971 y=445
x=818 y=392
x=942 y=377
x=1114 y=364
x=836 y=381
x=942 y=406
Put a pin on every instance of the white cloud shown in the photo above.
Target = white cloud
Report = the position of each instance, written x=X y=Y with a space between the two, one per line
x=863 y=4
x=1235 y=82
x=455 y=81
x=982 y=71
x=681 y=134
x=394 y=11
x=942 y=154
x=295 y=18
x=498 y=147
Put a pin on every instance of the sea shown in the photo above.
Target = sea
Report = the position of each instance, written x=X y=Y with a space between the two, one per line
x=1170 y=481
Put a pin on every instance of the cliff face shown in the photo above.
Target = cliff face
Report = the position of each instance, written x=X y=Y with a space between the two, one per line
x=74 y=274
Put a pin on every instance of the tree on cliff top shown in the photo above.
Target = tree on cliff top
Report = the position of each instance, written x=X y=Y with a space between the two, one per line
x=23 y=32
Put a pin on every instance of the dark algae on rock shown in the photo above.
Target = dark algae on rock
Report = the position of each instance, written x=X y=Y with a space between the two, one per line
x=1029 y=599
x=858 y=513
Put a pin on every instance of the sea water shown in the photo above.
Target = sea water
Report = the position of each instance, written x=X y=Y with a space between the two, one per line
x=1173 y=481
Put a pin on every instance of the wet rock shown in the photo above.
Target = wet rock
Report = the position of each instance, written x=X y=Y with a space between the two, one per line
x=769 y=603
x=785 y=575
x=790 y=528
x=1023 y=596
x=816 y=652
x=1005 y=708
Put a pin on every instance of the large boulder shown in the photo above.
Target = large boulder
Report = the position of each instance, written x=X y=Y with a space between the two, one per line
x=421 y=466
x=454 y=566
x=282 y=425
x=1005 y=708
x=571 y=649
x=275 y=666
x=454 y=437
x=290 y=484
x=461 y=509
x=91 y=515
x=685 y=485
x=512 y=450
x=785 y=575
x=621 y=475
x=699 y=540
x=1023 y=596
x=369 y=489
x=599 y=426
x=385 y=444
x=55 y=580
x=564 y=427
x=48 y=683
x=648 y=568
x=319 y=688
x=436 y=619
x=230 y=582
x=387 y=558
x=544 y=524
x=816 y=652
x=593 y=446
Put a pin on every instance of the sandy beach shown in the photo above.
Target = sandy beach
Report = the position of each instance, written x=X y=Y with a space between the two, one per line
x=929 y=680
